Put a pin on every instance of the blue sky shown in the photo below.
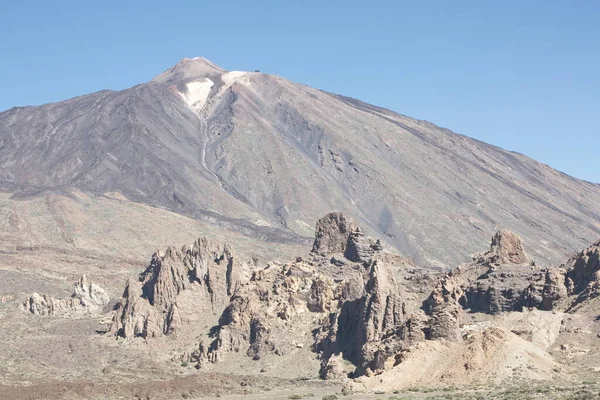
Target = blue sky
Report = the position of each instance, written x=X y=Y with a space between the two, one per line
x=523 y=75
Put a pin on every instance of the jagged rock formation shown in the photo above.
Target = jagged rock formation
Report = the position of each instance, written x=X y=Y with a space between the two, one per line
x=332 y=233
x=507 y=248
x=377 y=312
x=570 y=285
x=336 y=234
x=175 y=286
x=361 y=248
x=495 y=280
x=583 y=271
x=364 y=317
x=501 y=280
x=260 y=315
x=376 y=318
x=87 y=298
x=359 y=309
x=444 y=310
x=547 y=290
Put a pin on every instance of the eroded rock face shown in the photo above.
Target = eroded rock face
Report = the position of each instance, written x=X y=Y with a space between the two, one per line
x=376 y=318
x=197 y=279
x=583 y=276
x=584 y=269
x=444 y=310
x=87 y=298
x=566 y=287
x=360 y=309
x=359 y=247
x=277 y=299
x=508 y=248
x=546 y=292
x=331 y=234
x=365 y=313
x=336 y=234
x=495 y=281
x=501 y=281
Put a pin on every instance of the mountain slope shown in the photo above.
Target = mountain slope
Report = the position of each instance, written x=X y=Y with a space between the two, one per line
x=268 y=156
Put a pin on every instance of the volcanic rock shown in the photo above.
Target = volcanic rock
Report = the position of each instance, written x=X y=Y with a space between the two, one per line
x=87 y=298
x=444 y=310
x=260 y=314
x=567 y=287
x=584 y=268
x=376 y=318
x=153 y=305
x=506 y=248
x=332 y=233
x=494 y=281
x=583 y=275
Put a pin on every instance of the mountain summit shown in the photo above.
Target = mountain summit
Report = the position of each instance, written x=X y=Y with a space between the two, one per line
x=189 y=69
x=266 y=156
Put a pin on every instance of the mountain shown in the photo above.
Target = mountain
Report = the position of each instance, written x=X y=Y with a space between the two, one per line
x=260 y=155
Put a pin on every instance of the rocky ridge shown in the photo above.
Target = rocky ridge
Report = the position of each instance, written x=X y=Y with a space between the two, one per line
x=178 y=286
x=359 y=309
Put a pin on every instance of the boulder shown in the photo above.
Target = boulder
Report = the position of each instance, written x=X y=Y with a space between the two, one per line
x=359 y=247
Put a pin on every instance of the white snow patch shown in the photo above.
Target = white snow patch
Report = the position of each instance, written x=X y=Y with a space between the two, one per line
x=197 y=93
x=230 y=77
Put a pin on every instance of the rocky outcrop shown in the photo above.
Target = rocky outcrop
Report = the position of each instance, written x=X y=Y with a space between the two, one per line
x=546 y=292
x=278 y=298
x=383 y=319
x=495 y=281
x=500 y=280
x=360 y=310
x=373 y=323
x=584 y=268
x=337 y=234
x=508 y=248
x=362 y=300
x=567 y=287
x=444 y=311
x=583 y=276
x=331 y=234
x=361 y=248
x=177 y=285
x=87 y=298
x=364 y=309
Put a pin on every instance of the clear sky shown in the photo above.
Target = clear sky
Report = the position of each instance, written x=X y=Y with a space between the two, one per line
x=523 y=75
